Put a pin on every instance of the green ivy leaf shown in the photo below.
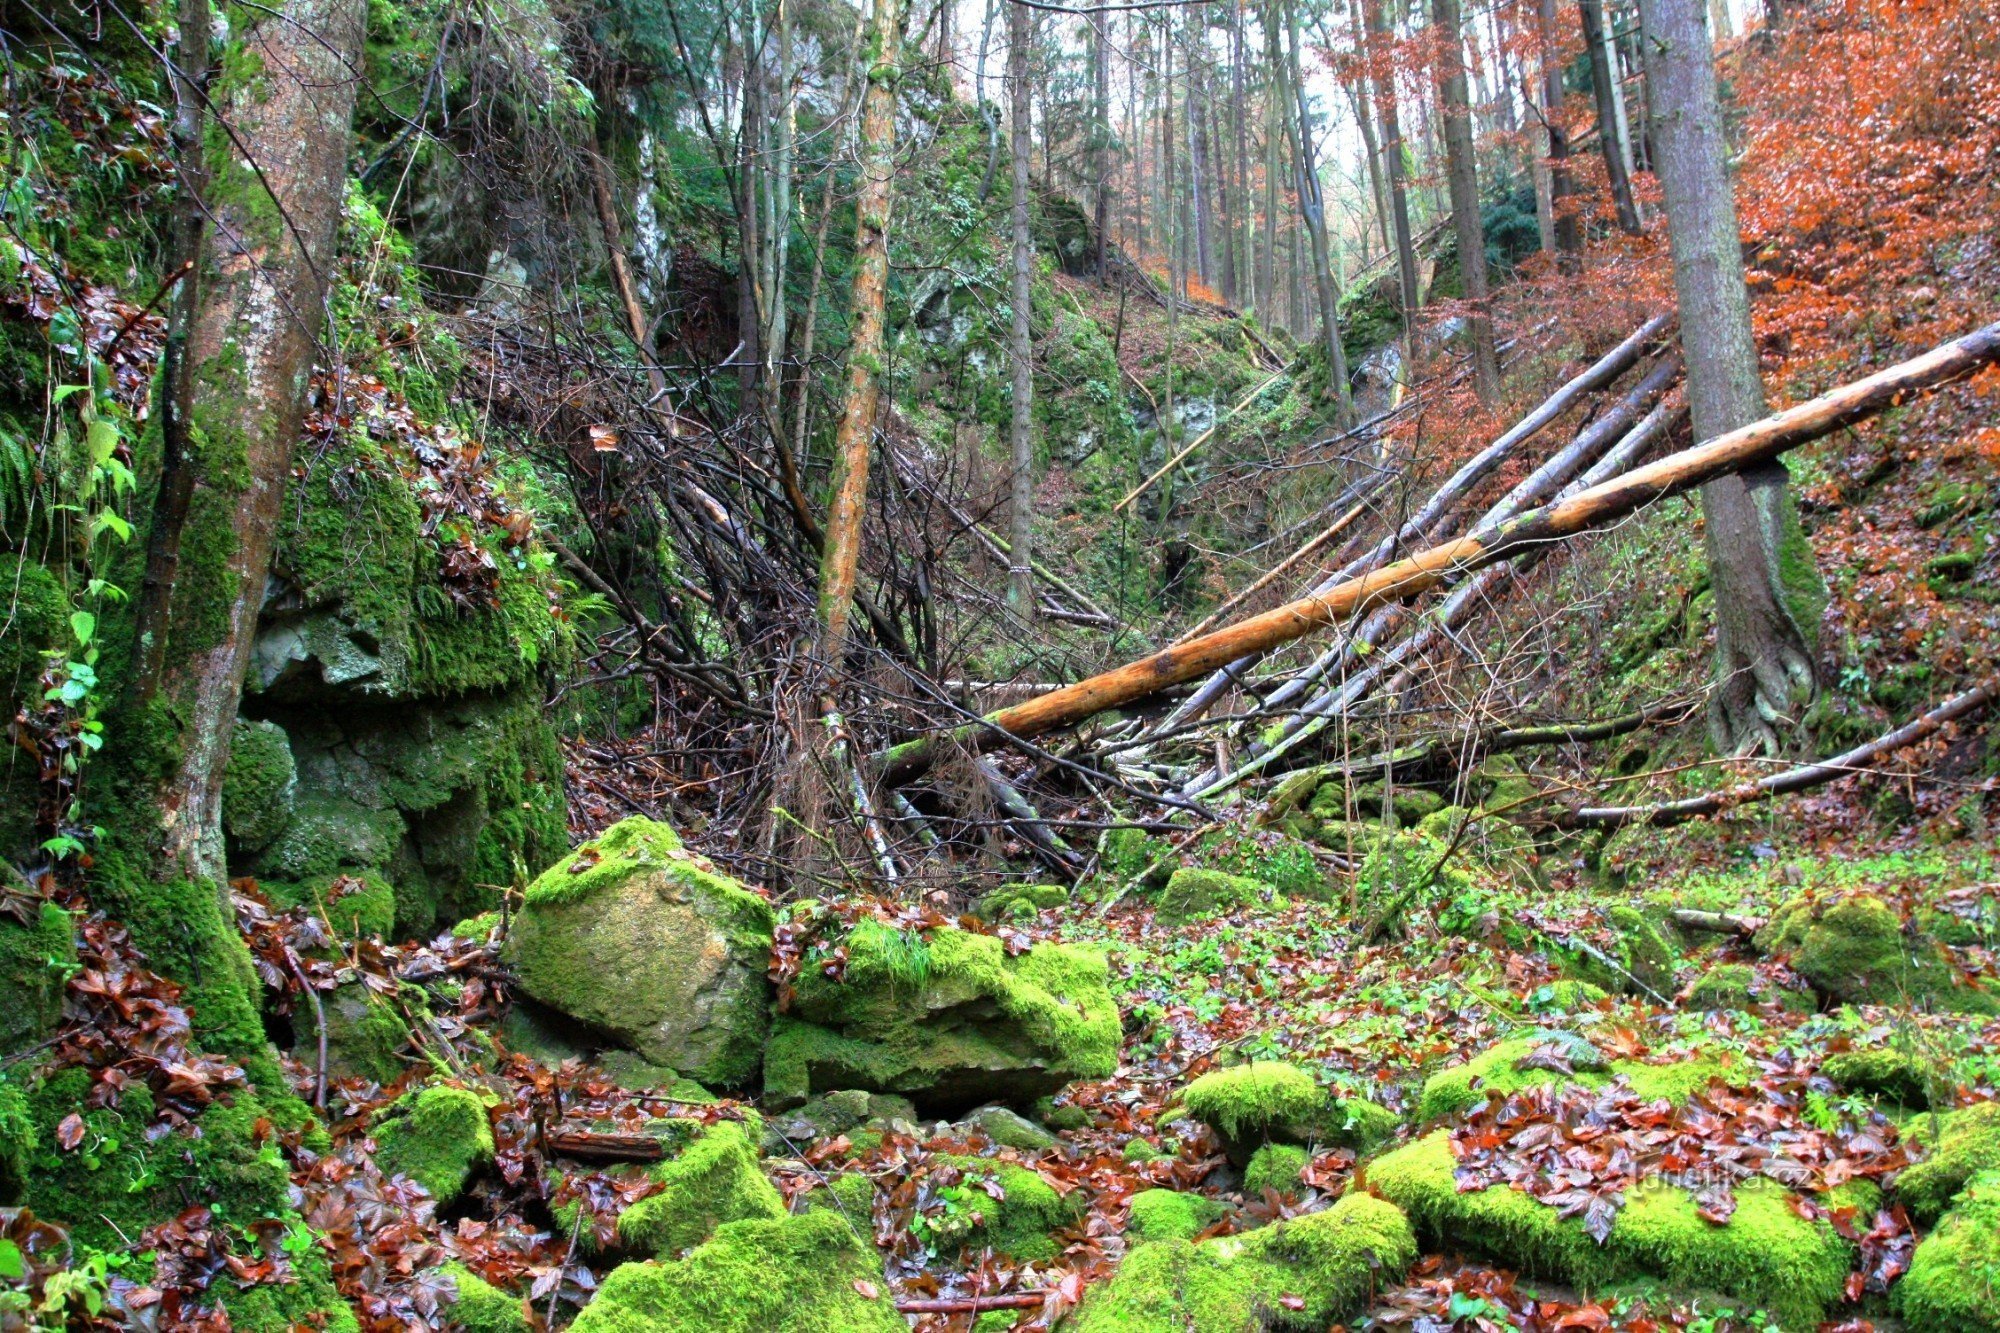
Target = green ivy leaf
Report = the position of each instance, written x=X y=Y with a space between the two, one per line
x=84 y=626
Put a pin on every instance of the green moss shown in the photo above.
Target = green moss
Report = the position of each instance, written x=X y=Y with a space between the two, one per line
x=1886 y=1071
x=19 y=1141
x=1642 y=951
x=1407 y=869
x=1766 y=1253
x=1022 y=1222
x=355 y=907
x=1170 y=1215
x=258 y=783
x=797 y=1274
x=34 y=619
x=1454 y=1091
x=1264 y=1098
x=1021 y=901
x=1957 y=1146
x=437 y=1136
x=1730 y=986
x=979 y=1026
x=482 y=1307
x=1275 y=1166
x=1123 y=853
x=634 y=935
x=1193 y=892
x=1299 y=1274
x=851 y=1194
x=1852 y=948
x=1953 y=1285
x=715 y=1180
x=365 y=1033
x=1567 y=997
x=35 y=962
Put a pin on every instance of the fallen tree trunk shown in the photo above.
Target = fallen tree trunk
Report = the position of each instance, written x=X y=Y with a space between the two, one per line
x=1792 y=779
x=1717 y=923
x=1460 y=484
x=1589 y=509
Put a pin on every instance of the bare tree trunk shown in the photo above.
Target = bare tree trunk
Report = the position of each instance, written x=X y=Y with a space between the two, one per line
x=841 y=557
x=1312 y=208
x=1100 y=130
x=1274 y=117
x=243 y=353
x=1464 y=181
x=1768 y=594
x=1568 y=227
x=1392 y=149
x=1020 y=573
x=1610 y=114
x=1242 y=286
x=1364 y=115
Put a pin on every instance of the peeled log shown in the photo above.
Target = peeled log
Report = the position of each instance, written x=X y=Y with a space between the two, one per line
x=1756 y=443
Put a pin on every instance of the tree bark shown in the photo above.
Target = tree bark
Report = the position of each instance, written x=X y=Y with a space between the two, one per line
x=1610 y=114
x=1312 y=208
x=1362 y=91
x=1201 y=167
x=1100 y=130
x=841 y=557
x=1768 y=594
x=1382 y=60
x=1463 y=176
x=1274 y=119
x=272 y=193
x=1563 y=220
x=1020 y=574
x=1585 y=511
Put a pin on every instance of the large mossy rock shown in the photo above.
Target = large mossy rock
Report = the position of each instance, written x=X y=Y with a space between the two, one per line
x=1853 y=948
x=715 y=1180
x=35 y=959
x=1766 y=1254
x=806 y=1273
x=1268 y=1101
x=1953 y=1285
x=438 y=1136
x=1958 y=1145
x=949 y=1019
x=1513 y=1065
x=1303 y=1273
x=1194 y=892
x=640 y=939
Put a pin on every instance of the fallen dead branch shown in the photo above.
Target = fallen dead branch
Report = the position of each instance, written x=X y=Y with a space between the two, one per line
x=1590 y=509
x=1717 y=923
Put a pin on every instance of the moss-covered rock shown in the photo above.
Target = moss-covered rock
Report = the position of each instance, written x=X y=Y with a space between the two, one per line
x=1125 y=853
x=1408 y=869
x=1766 y=1253
x=1194 y=892
x=1003 y=1206
x=1884 y=1072
x=1008 y=1128
x=949 y=1020
x=1275 y=1166
x=807 y=1273
x=355 y=907
x=1957 y=1145
x=1953 y=1285
x=638 y=938
x=1299 y=1274
x=35 y=961
x=716 y=1179
x=1852 y=948
x=438 y=1136
x=1498 y=1070
x=482 y=1307
x=258 y=784
x=1739 y=987
x=1567 y=996
x=1021 y=901
x=366 y=1033
x=1170 y=1215
x=1264 y=1101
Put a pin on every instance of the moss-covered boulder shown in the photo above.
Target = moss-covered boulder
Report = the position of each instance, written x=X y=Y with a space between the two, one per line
x=1021 y=901
x=1275 y=1166
x=1884 y=1072
x=1299 y=1274
x=1001 y=1206
x=1766 y=1254
x=35 y=959
x=482 y=1307
x=1636 y=959
x=1953 y=1285
x=1170 y=1215
x=1739 y=987
x=1853 y=948
x=1008 y=1128
x=807 y=1273
x=1957 y=1146
x=1520 y=1062
x=438 y=1136
x=714 y=1180
x=258 y=784
x=1408 y=869
x=1268 y=1101
x=1194 y=892
x=366 y=1033
x=641 y=940
x=949 y=1019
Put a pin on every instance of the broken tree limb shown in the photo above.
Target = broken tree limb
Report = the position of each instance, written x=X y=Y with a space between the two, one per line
x=1583 y=512
x=1195 y=443
x=1459 y=485
x=1792 y=779
x=1717 y=923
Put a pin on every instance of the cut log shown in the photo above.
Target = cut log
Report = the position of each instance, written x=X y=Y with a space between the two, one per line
x=1717 y=923
x=1792 y=779
x=1459 y=485
x=1584 y=512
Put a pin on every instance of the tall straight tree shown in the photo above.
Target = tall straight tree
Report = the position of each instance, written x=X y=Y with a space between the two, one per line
x=1312 y=209
x=258 y=236
x=1610 y=113
x=1567 y=227
x=1463 y=177
x=1361 y=90
x=1275 y=117
x=1021 y=426
x=1383 y=68
x=840 y=557
x=1768 y=594
x=1100 y=136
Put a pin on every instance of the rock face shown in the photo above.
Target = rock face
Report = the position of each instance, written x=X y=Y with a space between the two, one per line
x=948 y=1020
x=641 y=940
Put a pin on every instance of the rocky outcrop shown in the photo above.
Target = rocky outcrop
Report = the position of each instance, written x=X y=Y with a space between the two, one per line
x=949 y=1019
x=640 y=939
